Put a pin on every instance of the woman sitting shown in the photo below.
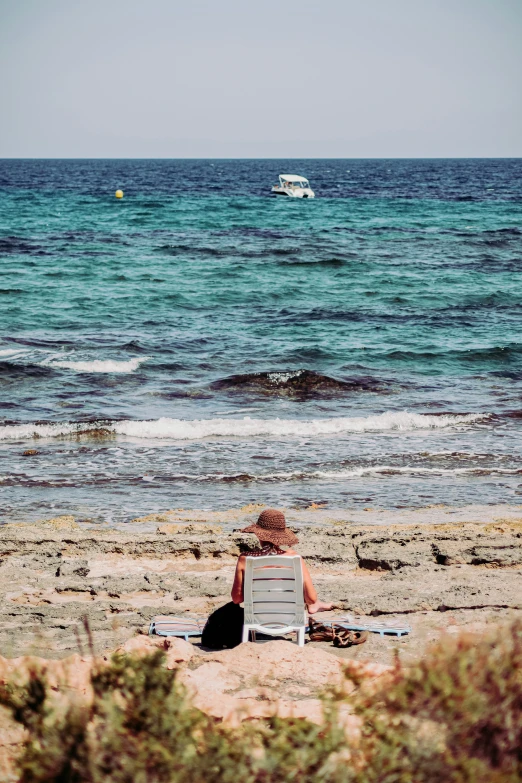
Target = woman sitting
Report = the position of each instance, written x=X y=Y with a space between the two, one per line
x=224 y=626
x=272 y=533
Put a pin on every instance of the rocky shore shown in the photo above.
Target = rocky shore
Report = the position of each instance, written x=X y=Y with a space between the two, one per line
x=438 y=568
x=441 y=570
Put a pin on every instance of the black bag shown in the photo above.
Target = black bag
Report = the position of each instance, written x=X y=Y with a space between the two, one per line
x=224 y=627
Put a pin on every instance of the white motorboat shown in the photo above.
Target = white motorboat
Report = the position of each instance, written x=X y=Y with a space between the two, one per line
x=293 y=186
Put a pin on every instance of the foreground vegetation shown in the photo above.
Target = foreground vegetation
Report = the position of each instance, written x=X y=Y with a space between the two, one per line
x=456 y=717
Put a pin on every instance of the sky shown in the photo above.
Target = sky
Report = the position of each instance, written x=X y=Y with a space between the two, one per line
x=265 y=78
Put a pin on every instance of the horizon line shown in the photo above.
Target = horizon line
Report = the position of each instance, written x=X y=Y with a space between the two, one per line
x=263 y=157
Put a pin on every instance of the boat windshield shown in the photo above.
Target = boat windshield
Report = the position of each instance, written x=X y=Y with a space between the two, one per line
x=296 y=184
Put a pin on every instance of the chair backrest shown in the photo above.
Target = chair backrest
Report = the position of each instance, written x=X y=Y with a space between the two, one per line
x=273 y=591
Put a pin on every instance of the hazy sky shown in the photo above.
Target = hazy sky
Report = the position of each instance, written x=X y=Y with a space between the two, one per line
x=272 y=78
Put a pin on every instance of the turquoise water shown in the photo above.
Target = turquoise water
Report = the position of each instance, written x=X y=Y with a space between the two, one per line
x=363 y=348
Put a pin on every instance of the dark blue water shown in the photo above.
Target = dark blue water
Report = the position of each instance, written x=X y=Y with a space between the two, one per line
x=202 y=343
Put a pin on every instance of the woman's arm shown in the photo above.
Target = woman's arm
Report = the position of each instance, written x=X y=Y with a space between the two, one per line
x=237 y=588
x=310 y=593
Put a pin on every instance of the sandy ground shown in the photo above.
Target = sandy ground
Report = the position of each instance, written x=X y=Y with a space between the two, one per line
x=438 y=569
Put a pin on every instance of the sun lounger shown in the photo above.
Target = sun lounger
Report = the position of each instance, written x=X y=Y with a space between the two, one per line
x=165 y=625
x=382 y=627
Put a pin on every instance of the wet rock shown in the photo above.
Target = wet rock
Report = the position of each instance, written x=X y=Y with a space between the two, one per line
x=238 y=477
x=297 y=383
x=96 y=433
x=30 y=453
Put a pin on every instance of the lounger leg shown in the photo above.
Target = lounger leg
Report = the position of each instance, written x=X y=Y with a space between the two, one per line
x=244 y=637
x=300 y=637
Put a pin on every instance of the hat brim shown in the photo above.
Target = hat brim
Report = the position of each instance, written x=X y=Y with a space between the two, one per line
x=274 y=536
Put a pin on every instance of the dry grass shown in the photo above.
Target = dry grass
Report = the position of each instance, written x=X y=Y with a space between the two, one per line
x=456 y=717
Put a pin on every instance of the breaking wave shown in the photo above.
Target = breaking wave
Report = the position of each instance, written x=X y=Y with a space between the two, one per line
x=181 y=429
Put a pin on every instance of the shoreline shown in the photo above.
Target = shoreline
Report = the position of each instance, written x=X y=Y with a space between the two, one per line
x=316 y=514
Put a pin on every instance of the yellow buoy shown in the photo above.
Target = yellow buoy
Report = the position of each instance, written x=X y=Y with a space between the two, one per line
x=119 y=194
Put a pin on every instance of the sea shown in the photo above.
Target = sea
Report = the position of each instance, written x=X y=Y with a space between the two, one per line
x=204 y=344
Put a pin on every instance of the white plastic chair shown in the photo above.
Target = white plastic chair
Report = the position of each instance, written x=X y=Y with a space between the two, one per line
x=273 y=596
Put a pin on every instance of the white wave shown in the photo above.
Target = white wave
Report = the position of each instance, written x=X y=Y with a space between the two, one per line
x=385 y=470
x=98 y=365
x=246 y=427
x=339 y=475
x=182 y=429
x=12 y=352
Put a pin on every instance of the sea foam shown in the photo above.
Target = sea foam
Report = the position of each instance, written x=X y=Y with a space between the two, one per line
x=98 y=365
x=12 y=352
x=375 y=470
x=340 y=475
x=196 y=429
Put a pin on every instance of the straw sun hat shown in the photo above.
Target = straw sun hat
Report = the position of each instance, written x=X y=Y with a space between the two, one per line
x=271 y=526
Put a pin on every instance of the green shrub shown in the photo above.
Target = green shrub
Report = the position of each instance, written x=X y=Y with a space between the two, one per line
x=456 y=717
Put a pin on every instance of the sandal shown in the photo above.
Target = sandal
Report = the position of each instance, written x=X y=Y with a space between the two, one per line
x=318 y=632
x=346 y=638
